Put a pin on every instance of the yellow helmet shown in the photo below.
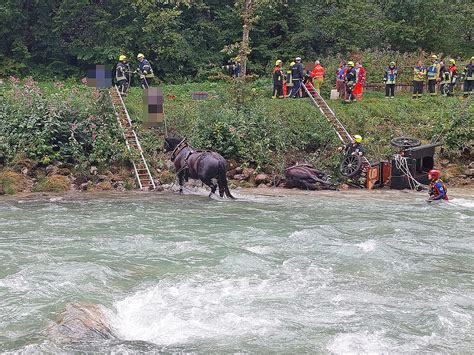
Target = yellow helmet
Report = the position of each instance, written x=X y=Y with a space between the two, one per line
x=351 y=63
x=278 y=62
x=434 y=56
x=392 y=63
x=292 y=63
x=122 y=57
x=452 y=61
x=472 y=58
x=140 y=55
x=358 y=138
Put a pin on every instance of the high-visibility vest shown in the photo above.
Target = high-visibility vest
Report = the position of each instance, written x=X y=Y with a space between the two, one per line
x=318 y=72
x=390 y=75
x=419 y=73
x=433 y=71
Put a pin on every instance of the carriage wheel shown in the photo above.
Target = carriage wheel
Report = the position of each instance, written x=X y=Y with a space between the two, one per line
x=351 y=166
x=405 y=142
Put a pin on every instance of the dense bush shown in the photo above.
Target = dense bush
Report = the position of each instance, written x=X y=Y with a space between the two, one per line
x=66 y=123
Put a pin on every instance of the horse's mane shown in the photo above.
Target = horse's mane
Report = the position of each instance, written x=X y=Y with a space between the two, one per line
x=173 y=141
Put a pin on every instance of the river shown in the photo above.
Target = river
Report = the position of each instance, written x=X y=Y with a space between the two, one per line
x=283 y=272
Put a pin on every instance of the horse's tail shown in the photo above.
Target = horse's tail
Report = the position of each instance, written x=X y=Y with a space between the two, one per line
x=222 y=178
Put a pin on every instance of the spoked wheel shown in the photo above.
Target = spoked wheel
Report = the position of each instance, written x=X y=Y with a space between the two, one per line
x=351 y=166
x=405 y=142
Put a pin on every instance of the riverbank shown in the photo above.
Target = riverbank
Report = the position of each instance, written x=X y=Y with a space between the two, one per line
x=64 y=136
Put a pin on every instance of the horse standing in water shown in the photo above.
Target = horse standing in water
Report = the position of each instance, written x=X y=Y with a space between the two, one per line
x=203 y=165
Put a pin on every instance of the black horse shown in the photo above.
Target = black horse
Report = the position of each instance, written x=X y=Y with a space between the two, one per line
x=203 y=165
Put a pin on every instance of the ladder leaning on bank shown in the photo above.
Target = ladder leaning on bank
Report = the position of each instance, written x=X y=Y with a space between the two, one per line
x=329 y=114
x=142 y=172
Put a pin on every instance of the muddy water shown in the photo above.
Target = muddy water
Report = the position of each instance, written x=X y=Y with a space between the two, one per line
x=326 y=272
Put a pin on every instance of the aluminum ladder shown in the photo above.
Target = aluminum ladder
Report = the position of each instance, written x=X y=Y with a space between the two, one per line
x=330 y=116
x=328 y=113
x=142 y=171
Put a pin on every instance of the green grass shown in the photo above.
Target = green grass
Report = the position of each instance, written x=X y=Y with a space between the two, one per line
x=243 y=123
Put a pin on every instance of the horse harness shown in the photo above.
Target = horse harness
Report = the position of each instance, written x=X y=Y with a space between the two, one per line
x=183 y=144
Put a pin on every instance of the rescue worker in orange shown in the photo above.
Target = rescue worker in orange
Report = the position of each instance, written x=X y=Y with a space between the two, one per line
x=277 y=80
x=318 y=76
x=438 y=189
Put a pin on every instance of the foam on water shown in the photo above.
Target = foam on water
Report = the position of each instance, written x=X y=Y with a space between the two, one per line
x=191 y=274
x=192 y=310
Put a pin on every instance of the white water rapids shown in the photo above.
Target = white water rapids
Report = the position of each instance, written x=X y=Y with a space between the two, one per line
x=330 y=272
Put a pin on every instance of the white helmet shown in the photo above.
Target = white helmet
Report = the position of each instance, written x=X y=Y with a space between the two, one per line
x=298 y=59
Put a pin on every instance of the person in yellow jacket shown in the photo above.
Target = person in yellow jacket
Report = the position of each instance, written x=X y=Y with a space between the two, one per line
x=432 y=74
x=419 y=75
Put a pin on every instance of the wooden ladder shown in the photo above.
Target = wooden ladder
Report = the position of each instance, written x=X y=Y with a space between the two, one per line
x=142 y=172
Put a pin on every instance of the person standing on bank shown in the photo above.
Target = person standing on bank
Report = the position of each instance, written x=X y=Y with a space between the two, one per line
x=146 y=72
x=468 y=75
x=433 y=75
x=122 y=73
x=390 y=77
x=297 y=75
x=277 y=80
x=419 y=75
x=350 y=80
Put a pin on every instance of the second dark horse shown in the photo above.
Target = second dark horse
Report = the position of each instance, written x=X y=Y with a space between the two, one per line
x=209 y=167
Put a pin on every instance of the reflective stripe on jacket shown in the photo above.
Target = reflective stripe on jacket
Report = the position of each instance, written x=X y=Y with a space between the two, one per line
x=433 y=71
x=419 y=73
x=390 y=75
x=121 y=71
x=317 y=72
x=145 y=66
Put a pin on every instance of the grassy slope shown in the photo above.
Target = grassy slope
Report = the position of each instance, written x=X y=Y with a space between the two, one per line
x=377 y=119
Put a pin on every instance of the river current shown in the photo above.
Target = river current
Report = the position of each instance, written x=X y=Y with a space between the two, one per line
x=325 y=272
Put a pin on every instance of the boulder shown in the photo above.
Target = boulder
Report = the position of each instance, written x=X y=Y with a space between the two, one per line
x=80 y=322
x=469 y=172
x=262 y=179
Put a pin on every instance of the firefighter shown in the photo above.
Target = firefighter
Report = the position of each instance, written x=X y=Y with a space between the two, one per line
x=318 y=75
x=468 y=76
x=288 y=84
x=277 y=80
x=350 y=80
x=433 y=75
x=390 y=77
x=438 y=190
x=354 y=147
x=146 y=72
x=419 y=75
x=122 y=75
x=443 y=78
x=297 y=75
x=452 y=77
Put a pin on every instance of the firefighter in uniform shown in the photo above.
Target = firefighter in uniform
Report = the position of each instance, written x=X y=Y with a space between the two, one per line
x=433 y=75
x=419 y=75
x=122 y=75
x=468 y=75
x=277 y=80
x=350 y=80
x=452 y=77
x=390 y=77
x=146 y=72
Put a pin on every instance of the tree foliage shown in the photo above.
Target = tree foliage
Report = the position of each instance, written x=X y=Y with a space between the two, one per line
x=184 y=40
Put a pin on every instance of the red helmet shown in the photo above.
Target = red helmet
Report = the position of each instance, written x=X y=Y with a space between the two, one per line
x=434 y=173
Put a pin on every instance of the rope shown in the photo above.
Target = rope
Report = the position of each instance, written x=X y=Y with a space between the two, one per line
x=401 y=164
